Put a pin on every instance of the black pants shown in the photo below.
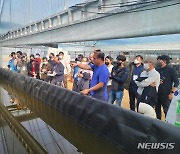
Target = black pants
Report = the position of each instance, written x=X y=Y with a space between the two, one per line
x=61 y=84
x=46 y=79
x=132 y=98
x=165 y=102
x=75 y=86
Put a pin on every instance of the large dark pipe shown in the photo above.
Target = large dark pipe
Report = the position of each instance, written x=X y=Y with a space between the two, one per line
x=91 y=125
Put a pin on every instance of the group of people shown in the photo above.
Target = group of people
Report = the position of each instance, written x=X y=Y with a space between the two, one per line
x=53 y=70
x=150 y=83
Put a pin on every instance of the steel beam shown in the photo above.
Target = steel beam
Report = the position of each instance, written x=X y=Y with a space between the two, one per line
x=155 y=19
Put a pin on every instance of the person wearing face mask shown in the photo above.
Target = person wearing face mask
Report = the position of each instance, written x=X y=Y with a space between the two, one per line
x=108 y=62
x=51 y=59
x=45 y=69
x=67 y=69
x=84 y=76
x=38 y=59
x=58 y=72
x=118 y=75
x=98 y=85
x=135 y=69
x=168 y=84
x=19 y=61
x=75 y=75
x=51 y=62
x=33 y=68
x=23 y=65
x=91 y=59
x=148 y=84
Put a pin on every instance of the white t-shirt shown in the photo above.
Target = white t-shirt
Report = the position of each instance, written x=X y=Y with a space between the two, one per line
x=110 y=69
x=66 y=64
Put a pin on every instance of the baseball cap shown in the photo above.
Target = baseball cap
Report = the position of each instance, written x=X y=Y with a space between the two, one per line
x=121 y=57
x=164 y=58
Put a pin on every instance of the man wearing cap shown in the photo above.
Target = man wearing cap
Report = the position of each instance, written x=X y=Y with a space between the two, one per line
x=119 y=75
x=168 y=84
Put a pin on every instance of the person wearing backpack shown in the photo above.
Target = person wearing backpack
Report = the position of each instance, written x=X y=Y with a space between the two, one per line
x=118 y=75
x=135 y=69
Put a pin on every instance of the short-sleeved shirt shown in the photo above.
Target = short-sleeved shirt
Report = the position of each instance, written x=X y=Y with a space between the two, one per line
x=100 y=74
x=12 y=67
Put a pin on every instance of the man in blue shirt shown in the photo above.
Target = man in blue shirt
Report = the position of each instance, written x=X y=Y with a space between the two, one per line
x=98 y=87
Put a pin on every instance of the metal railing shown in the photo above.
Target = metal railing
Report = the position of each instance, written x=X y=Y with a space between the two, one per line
x=72 y=15
x=29 y=143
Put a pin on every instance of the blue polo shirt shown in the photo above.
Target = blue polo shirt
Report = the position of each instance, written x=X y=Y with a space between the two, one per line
x=100 y=74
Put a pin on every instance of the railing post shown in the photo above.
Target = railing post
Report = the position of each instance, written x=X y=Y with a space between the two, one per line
x=59 y=21
x=36 y=28
x=70 y=17
x=100 y=8
x=42 y=25
x=50 y=23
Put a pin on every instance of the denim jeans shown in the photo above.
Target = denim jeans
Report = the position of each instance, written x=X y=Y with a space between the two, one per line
x=115 y=95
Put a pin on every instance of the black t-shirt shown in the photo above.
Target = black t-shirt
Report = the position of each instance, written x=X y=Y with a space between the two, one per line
x=169 y=77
